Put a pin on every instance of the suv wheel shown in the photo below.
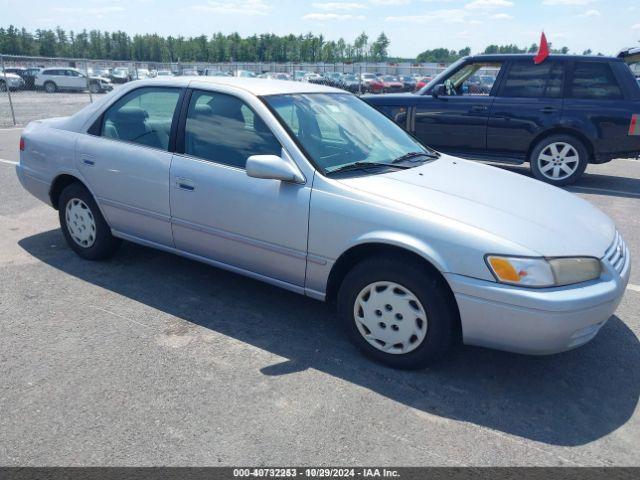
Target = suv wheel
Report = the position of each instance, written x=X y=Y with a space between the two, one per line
x=396 y=312
x=94 y=87
x=83 y=226
x=50 y=87
x=559 y=159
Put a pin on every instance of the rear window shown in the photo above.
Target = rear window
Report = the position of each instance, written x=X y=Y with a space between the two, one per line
x=594 y=80
x=526 y=79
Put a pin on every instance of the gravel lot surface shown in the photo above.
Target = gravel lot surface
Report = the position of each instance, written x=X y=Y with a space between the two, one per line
x=151 y=359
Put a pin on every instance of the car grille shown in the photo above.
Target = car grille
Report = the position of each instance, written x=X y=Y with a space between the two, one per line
x=616 y=254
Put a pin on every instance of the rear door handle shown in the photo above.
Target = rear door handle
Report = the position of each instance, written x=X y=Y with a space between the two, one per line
x=185 y=184
x=549 y=110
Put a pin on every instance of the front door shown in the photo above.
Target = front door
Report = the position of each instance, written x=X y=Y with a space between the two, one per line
x=220 y=213
x=456 y=122
x=126 y=163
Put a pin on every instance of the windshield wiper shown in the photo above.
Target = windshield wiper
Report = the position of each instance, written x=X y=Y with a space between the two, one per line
x=410 y=155
x=362 y=165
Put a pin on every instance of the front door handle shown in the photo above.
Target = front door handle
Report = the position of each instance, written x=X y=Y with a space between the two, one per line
x=185 y=184
x=478 y=108
x=549 y=110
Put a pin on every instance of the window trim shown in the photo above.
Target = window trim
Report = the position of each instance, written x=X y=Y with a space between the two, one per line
x=182 y=123
x=97 y=126
x=570 y=77
x=565 y=74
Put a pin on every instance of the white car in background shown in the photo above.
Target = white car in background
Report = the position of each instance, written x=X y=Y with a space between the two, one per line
x=66 y=78
x=11 y=81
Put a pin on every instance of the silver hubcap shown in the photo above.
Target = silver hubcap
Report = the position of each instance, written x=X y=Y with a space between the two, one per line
x=80 y=223
x=558 y=161
x=390 y=317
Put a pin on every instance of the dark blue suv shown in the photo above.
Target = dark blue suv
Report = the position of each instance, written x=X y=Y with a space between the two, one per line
x=559 y=115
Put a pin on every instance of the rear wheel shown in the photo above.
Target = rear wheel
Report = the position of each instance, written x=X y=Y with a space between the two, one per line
x=50 y=87
x=559 y=159
x=397 y=312
x=83 y=226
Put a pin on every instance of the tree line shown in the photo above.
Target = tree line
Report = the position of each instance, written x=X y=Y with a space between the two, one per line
x=96 y=44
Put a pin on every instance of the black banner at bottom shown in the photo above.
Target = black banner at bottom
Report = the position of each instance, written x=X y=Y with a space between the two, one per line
x=404 y=473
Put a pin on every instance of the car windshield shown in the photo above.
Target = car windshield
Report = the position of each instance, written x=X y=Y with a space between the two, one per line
x=338 y=129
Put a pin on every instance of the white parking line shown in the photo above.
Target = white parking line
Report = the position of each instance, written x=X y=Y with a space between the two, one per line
x=635 y=288
x=578 y=189
x=8 y=162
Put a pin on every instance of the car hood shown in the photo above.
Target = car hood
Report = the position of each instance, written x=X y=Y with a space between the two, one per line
x=99 y=78
x=12 y=76
x=543 y=219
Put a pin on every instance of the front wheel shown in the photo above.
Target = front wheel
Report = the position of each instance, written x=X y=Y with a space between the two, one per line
x=559 y=160
x=83 y=226
x=94 y=88
x=397 y=312
x=50 y=87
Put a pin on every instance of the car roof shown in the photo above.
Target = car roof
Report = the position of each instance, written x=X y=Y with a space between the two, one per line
x=255 y=86
x=530 y=56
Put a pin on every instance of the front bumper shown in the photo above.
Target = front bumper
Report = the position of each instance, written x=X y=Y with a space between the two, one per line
x=538 y=321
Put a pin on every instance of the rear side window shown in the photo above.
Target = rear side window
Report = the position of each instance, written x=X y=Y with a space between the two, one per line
x=143 y=116
x=594 y=80
x=223 y=129
x=526 y=79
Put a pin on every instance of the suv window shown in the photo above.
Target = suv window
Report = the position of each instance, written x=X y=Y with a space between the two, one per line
x=223 y=129
x=143 y=116
x=526 y=79
x=473 y=79
x=594 y=80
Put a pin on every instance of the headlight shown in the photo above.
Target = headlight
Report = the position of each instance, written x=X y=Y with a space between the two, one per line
x=540 y=272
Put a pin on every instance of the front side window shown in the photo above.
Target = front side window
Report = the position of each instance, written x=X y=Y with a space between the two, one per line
x=223 y=129
x=526 y=79
x=339 y=129
x=143 y=116
x=475 y=78
x=594 y=80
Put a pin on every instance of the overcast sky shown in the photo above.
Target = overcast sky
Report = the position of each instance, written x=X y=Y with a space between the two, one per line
x=411 y=25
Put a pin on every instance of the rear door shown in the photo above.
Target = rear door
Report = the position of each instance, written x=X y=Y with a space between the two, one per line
x=528 y=102
x=457 y=122
x=126 y=160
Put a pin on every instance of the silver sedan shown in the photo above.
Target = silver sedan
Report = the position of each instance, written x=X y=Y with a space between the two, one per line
x=309 y=188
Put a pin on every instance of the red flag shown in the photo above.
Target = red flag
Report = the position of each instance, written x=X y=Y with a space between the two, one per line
x=543 y=51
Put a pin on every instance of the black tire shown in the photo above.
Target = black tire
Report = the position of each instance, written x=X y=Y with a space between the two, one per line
x=428 y=287
x=94 y=87
x=104 y=244
x=545 y=145
x=50 y=87
x=3 y=86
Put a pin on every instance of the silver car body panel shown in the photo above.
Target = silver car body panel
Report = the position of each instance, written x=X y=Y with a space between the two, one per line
x=449 y=211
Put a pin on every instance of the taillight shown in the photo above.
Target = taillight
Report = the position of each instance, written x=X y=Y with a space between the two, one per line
x=21 y=144
x=634 y=128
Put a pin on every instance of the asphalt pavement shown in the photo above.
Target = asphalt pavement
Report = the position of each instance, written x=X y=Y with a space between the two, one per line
x=151 y=359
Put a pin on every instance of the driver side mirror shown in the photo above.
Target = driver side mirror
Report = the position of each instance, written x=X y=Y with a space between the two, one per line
x=439 y=91
x=273 y=167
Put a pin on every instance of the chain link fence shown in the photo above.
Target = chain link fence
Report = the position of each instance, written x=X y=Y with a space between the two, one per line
x=33 y=88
